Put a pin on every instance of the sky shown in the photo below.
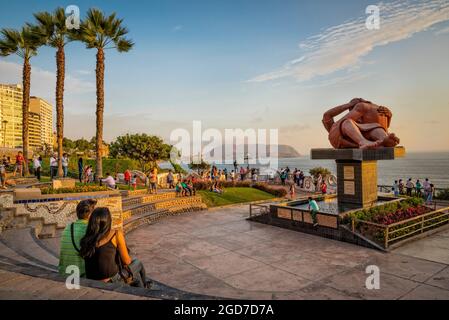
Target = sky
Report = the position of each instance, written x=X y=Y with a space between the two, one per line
x=266 y=64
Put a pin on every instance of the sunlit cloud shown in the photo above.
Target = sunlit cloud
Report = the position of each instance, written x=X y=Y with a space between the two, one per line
x=43 y=82
x=442 y=31
x=342 y=46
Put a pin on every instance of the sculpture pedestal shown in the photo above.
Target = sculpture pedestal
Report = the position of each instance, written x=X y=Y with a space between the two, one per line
x=357 y=172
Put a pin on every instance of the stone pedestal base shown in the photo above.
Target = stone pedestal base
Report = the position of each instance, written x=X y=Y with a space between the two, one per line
x=63 y=183
x=357 y=172
x=357 y=182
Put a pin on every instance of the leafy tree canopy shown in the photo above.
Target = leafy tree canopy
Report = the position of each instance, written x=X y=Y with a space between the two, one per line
x=145 y=149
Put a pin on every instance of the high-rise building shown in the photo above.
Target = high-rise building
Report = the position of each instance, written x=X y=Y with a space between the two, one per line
x=11 y=115
x=45 y=111
x=34 y=130
x=40 y=123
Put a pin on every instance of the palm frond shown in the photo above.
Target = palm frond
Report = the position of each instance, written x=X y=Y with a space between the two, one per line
x=99 y=31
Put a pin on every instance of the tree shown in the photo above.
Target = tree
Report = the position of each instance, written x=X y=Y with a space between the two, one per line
x=83 y=145
x=315 y=172
x=68 y=144
x=102 y=32
x=145 y=149
x=25 y=44
x=202 y=166
x=54 y=33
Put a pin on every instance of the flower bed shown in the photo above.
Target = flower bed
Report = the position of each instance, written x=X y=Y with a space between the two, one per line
x=77 y=189
x=392 y=222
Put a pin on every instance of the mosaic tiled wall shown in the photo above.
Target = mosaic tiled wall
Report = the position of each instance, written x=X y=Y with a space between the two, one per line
x=62 y=210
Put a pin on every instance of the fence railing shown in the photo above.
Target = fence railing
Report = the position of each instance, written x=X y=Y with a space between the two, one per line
x=389 y=189
x=406 y=228
x=258 y=210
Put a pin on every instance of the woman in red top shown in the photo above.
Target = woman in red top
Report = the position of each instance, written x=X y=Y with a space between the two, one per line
x=19 y=163
x=323 y=188
x=127 y=177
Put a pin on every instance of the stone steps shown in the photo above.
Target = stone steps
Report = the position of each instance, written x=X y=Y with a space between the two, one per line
x=22 y=254
x=25 y=244
x=147 y=198
x=13 y=220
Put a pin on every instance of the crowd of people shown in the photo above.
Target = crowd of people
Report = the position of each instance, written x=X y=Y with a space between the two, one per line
x=97 y=250
x=424 y=189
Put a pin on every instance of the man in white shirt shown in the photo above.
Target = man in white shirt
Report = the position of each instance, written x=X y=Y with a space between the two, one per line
x=37 y=167
x=53 y=166
x=65 y=164
x=109 y=181
x=426 y=186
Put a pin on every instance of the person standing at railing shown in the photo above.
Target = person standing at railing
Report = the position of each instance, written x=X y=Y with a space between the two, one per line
x=426 y=187
x=418 y=188
x=401 y=187
x=396 y=188
x=430 y=193
x=409 y=186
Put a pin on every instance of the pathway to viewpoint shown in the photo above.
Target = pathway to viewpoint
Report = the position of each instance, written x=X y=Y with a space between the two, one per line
x=219 y=253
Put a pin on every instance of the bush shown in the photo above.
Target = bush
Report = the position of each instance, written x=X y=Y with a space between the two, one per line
x=442 y=194
x=315 y=172
x=109 y=165
x=77 y=189
x=278 y=192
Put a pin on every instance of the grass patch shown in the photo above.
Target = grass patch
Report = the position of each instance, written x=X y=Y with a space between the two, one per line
x=233 y=196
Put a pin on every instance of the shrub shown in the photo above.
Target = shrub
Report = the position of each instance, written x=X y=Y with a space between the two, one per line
x=278 y=192
x=77 y=189
x=442 y=194
x=315 y=172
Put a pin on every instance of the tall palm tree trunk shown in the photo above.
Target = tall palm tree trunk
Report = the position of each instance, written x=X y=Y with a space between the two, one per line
x=60 y=76
x=25 y=112
x=100 y=110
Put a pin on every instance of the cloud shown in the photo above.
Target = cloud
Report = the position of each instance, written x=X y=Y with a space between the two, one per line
x=442 y=31
x=84 y=72
x=43 y=82
x=342 y=46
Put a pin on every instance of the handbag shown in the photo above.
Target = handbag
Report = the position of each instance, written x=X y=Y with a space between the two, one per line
x=124 y=270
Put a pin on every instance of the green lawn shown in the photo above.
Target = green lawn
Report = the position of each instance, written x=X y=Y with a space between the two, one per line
x=233 y=196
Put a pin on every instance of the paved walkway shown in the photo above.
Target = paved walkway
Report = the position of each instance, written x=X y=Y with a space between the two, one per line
x=218 y=252
x=16 y=286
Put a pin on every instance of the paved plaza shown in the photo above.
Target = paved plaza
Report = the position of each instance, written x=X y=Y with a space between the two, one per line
x=219 y=253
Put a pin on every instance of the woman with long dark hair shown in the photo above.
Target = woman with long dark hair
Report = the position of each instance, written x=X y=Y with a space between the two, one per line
x=105 y=252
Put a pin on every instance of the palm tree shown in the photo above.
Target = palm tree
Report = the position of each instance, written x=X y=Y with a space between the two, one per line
x=102 y=32
x=53 y=31
x=23 y=43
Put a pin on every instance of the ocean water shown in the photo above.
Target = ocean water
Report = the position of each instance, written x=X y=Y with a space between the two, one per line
x=419 y=165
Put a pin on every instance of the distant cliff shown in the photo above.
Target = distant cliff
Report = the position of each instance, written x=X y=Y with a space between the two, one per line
x=286 y=151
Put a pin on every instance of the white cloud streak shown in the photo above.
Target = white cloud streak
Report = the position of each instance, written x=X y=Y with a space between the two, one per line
x=442 y=31
x=342 y=46
x=43 y=82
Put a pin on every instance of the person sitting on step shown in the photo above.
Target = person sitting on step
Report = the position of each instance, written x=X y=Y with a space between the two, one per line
x=71 y=236
x=106 y=255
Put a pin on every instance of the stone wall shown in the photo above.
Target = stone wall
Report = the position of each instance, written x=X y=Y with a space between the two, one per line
x=61 y=208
